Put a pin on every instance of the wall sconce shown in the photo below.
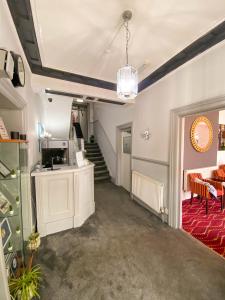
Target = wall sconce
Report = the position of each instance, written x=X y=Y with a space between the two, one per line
x=146 y=135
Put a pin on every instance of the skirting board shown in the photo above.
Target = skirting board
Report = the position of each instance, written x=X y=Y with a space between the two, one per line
x=162 y=217
x=113 y=180
x=58 y=226
x=79 y=221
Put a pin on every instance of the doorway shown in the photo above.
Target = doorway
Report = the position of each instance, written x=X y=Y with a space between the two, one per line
x=79 y=114
x=177 y=151
x=124 y=150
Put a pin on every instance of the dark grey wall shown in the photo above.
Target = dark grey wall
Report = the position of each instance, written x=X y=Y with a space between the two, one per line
x=194 y=159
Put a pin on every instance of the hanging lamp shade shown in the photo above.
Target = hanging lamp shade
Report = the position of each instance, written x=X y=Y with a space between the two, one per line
x=127 y=76
x=127 y=83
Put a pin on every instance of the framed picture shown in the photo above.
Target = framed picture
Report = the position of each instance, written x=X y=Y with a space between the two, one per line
x=3 y=132
x=5 y=231
x=4 y=204
x=4 y=170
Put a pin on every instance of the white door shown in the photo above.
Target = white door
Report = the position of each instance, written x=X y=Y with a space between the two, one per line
x=126 y=160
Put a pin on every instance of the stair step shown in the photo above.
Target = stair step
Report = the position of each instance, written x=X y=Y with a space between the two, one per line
x=100 y=167
x=99 y=162
x=97 y=158
x=101 y=173
x=93 y=154
x=93 y=150
x=101 y=178
x=90 y=145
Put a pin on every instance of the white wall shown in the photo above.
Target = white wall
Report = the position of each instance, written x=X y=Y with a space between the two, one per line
x=106 y=118
x=25 y=120
x=32 y=113
x=222 y=117
x=199 y=79
x=110 y=116
x=13 y=119
x=57 y=115
x=220 y=157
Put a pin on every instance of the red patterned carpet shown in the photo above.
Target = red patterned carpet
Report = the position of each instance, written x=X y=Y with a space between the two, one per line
x=209 y=229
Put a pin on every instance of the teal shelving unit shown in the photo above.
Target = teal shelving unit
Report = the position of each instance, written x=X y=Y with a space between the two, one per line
x=13 y=155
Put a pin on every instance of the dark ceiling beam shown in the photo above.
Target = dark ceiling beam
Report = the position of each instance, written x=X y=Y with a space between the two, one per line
x=110 y=101
x=55 y=92
x=22 y=16
x=58 y=74
x=202 y=44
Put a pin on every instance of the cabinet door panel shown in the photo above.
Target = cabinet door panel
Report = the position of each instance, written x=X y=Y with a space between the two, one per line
x=86 y=186
x=58 y=193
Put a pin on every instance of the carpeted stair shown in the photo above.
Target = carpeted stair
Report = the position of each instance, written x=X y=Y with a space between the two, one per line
x=93 y=153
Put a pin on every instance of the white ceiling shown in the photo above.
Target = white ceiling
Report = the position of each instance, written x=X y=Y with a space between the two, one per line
x=80 y=36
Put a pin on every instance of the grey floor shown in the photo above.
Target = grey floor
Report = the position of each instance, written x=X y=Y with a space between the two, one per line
x=123 y=252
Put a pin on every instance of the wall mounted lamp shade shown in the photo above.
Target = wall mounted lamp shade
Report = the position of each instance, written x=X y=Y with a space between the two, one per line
x=127 y=83
x=127 y=76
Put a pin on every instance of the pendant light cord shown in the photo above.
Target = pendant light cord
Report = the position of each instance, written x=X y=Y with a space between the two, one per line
x=125 y=24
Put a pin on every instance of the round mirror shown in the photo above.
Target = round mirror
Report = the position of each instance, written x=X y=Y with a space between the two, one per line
x=201 y=134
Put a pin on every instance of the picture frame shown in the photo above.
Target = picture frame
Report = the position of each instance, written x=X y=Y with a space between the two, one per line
x=4 y=170
x=4 y=204
x=5 y=231
x=3 y=132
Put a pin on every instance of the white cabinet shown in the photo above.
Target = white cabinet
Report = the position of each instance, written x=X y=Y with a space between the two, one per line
x=57 y=193
x=65 y=198
x=84 y=183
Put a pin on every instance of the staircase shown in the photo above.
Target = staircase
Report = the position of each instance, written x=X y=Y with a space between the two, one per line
x=93 y=153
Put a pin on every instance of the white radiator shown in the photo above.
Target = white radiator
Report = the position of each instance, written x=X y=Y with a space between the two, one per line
x=148 y=190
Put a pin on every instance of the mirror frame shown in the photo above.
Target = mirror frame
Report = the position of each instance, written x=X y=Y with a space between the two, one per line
x=193 y=128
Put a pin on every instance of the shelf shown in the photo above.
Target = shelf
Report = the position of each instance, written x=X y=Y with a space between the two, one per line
x=9 y=178
x=13 y=141
x=7 y=215
x=13 y=154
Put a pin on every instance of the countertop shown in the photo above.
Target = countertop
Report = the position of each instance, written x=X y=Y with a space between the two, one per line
x=62 y=169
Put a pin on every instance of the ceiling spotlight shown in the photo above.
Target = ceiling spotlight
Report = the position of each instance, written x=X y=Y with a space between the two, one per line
x=80 y=100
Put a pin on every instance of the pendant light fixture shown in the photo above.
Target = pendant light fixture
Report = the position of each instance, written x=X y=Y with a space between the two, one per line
x=127 y=76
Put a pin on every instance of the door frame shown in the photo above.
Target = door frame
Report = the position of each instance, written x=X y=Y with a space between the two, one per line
x=119 y=129
x=176 y=151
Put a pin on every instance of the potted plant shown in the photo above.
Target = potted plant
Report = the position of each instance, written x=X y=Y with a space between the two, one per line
x=18 y=229
x=11 y=211
x=34 y=241
x=25 y=287
x=13 y=173
x=17 y=200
